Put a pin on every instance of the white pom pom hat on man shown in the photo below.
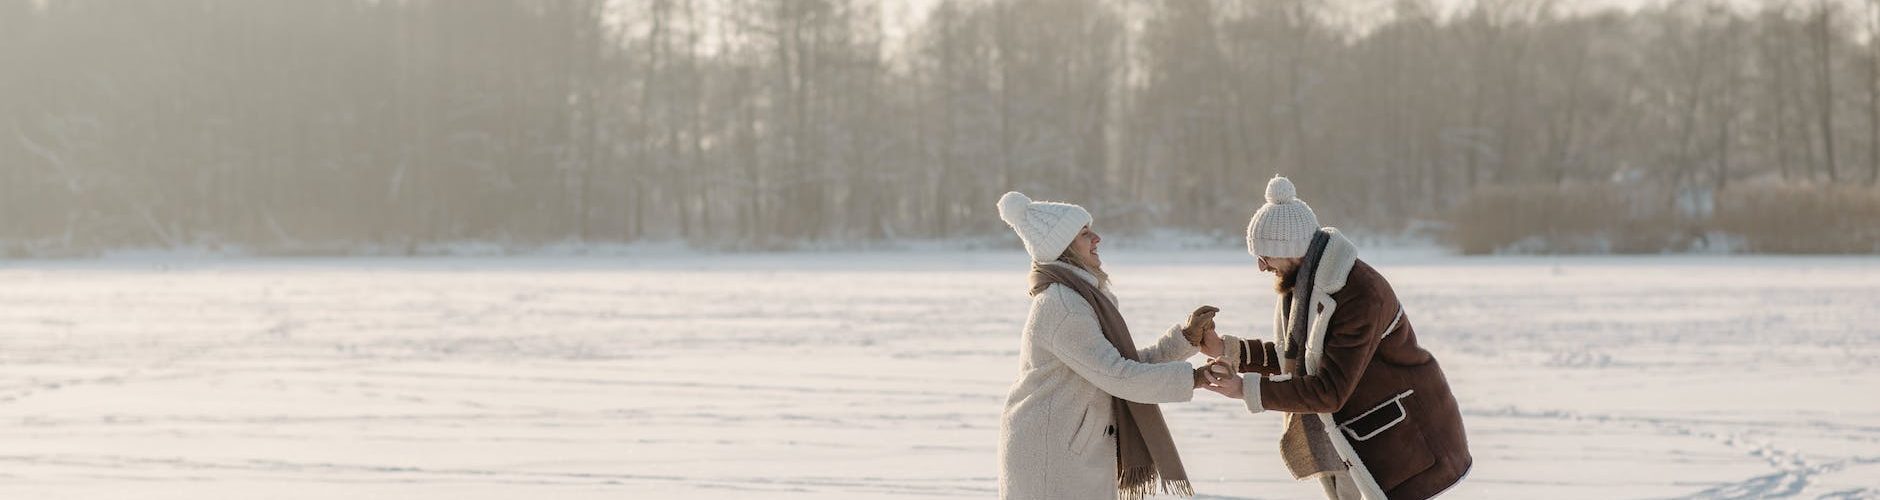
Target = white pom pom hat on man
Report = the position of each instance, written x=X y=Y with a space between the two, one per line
x=1284 y=225
x=1046 y=227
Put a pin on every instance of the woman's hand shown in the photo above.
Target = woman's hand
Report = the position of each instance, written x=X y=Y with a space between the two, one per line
x=1199 y=331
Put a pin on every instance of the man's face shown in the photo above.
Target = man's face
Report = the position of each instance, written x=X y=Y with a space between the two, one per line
x=1282 y=269
x=1279 y=266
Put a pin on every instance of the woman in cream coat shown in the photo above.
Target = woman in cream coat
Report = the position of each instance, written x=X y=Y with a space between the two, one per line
x=1056 y=435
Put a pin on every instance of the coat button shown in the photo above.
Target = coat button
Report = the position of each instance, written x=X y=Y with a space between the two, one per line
x=1109 y=431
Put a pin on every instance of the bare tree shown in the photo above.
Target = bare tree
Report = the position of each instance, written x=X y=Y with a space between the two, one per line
x=1824 y=76
x=1873 y=92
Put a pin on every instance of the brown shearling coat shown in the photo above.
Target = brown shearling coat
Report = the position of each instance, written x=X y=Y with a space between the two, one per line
x=1366 y=369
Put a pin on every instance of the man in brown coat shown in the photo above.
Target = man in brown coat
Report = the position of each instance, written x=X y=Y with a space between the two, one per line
x=1368 y=412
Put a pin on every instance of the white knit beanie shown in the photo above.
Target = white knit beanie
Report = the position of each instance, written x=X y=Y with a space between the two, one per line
x=1047 y=228
x=1284 y=225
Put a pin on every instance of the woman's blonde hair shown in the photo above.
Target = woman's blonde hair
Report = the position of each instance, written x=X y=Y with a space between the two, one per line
x=1070 y=257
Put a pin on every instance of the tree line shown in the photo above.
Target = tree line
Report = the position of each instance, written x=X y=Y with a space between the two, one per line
x=287 y=125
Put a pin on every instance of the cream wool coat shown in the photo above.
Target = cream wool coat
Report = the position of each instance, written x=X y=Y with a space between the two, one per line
x=1054 y=441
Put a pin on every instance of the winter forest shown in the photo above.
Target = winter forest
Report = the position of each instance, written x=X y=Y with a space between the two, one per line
x=752 y=249
x=288 y=126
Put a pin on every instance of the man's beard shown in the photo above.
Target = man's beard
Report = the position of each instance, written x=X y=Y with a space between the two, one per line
x=1283 y=281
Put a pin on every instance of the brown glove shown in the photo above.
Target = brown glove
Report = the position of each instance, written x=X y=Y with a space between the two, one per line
x=1199 y=324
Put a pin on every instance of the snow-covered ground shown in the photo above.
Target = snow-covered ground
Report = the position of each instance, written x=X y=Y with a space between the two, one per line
x=878 y=375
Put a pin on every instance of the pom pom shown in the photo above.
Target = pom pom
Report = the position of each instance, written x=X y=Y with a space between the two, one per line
x=1012 y=207
x=1279 y=190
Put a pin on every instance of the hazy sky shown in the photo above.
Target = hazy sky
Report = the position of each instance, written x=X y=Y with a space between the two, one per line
x=899 y=17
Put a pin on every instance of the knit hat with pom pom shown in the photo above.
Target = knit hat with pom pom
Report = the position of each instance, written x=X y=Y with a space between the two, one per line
x=1284 y=225
x=1047 y=228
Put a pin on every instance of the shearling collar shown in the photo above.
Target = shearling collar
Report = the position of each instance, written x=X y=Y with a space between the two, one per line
x=1340 y=255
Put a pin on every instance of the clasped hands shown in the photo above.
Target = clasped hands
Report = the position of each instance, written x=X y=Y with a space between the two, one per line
x=1216 y=376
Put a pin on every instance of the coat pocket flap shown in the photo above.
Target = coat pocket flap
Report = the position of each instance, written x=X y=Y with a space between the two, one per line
x=1378 y=419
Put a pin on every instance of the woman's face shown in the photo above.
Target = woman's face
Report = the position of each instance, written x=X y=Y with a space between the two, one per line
x=1085 y=246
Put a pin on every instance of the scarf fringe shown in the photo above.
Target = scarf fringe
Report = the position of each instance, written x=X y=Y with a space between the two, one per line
x=1178 y=488
x=1137 y=483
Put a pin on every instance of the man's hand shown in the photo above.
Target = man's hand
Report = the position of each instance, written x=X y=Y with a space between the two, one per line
x=1212 y=344
x=1199 y=331
x=1223 y=380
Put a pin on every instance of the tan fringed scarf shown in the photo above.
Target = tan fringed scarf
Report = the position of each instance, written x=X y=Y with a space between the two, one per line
x=1144 y=449
x=1304 y=444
